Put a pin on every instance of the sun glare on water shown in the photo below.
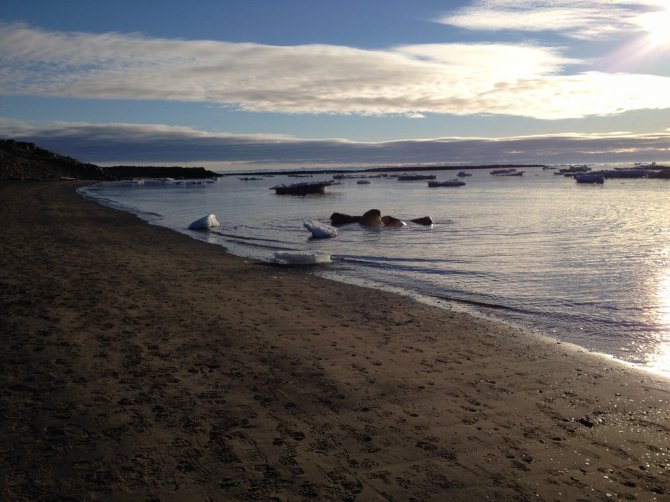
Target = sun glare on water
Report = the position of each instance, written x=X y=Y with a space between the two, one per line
x=661 y=360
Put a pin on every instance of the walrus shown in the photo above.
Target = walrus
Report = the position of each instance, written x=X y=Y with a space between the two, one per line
x=390 y=221
x=426 y=220
x=373 y=218
x=337 y=219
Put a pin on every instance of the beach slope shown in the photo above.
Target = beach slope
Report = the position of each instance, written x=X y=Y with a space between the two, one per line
x=139 y=364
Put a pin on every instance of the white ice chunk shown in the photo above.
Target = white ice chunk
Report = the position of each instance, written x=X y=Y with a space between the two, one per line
x=204 y=223
x=320 y=230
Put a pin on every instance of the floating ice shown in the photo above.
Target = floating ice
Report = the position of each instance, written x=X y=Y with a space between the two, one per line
x=300 y=258
x=320 y=230
x=204 y=223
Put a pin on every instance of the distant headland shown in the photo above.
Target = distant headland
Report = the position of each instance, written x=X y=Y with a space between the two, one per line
x=378 y=169
x=20 y=160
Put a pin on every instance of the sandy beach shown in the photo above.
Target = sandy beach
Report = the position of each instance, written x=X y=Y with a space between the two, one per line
x=139 y=364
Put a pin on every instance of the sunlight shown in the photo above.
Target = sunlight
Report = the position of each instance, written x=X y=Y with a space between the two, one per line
x=657 y=26
x=661 y=360
x=664 y=300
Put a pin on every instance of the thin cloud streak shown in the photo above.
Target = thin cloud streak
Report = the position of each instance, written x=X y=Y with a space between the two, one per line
x=579 y=19
x=458 y=79
x=158 y=144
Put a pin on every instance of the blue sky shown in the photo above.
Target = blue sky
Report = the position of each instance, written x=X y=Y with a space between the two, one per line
x=224 y=83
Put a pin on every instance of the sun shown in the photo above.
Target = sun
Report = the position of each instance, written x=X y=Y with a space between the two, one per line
x=657 y=26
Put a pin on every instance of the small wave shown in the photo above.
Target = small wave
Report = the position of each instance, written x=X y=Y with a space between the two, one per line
x=483 y=304
x=244 y=238
x=392 y=259
x=392 y=265
x=260 y=246
x=605 y=306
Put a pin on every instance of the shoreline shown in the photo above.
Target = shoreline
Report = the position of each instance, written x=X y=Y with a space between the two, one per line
x=143 y=363
x=481 y=310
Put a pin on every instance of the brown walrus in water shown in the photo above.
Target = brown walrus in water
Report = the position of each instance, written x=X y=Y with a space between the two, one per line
x=374 y=218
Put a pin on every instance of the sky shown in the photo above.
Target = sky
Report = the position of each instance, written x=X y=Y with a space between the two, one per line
x=228 y=84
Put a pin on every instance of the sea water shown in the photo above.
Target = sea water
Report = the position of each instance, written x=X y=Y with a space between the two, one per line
x=586 y=264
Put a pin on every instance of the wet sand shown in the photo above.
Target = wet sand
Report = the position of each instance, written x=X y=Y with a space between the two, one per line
x=139 y=364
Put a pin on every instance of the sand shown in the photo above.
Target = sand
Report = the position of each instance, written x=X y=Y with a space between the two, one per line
x=139 y=364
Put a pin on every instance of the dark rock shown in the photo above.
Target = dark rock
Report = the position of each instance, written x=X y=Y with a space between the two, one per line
x=586 y=422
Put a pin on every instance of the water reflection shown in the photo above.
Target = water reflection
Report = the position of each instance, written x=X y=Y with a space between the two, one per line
x=661 y=360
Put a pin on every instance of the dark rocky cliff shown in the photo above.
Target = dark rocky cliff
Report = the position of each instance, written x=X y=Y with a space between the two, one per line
x=20 y=160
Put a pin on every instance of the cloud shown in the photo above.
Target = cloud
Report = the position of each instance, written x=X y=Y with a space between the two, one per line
x=581 y=19
x=159 y=144
x=461 y=79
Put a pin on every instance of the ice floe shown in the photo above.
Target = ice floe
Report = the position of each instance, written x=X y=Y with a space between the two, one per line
x=204 y=223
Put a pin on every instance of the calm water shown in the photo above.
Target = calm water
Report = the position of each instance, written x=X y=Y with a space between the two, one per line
x=584 y=264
